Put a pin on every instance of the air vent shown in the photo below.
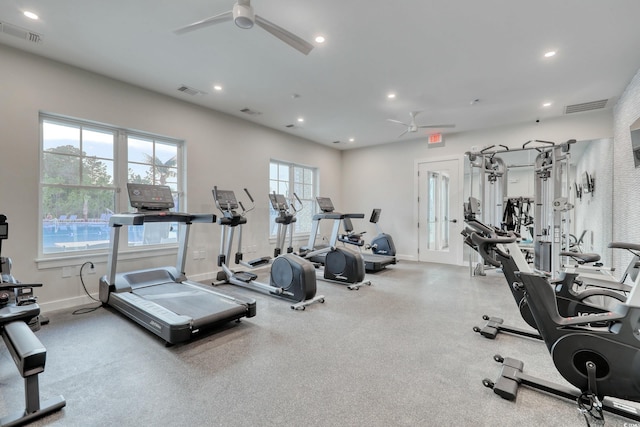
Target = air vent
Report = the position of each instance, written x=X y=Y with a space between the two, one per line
x=250 y=112
x=586 y=106
x=336 y=142
x=22 y=33
x=190 y=91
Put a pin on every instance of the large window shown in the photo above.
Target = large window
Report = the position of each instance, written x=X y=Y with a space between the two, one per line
x=288 y=178
x=83 y=165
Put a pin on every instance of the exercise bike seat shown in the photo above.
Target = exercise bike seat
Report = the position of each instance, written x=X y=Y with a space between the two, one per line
x=573 y=342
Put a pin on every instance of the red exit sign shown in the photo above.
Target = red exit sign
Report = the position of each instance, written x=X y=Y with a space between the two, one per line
x=435 y=138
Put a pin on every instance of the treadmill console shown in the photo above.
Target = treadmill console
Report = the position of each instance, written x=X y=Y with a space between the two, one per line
x=225 y=199
x=278 y=202
x=145 y=197
x=325 y=204
x=375 y=216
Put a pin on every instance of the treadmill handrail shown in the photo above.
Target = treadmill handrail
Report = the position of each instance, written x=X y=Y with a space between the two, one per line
x=332 y=215
x=354 y=215
x=139 y=218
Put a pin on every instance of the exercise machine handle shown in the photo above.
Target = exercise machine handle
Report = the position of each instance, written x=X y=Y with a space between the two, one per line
x=301 y=205
x=249 y=194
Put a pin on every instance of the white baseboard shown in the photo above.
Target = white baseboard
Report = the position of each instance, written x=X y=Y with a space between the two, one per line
x=401 y=257
x=64 y=304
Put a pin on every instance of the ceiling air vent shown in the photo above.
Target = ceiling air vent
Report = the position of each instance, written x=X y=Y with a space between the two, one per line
x=586 y=106
x=250 y=112
x=190 y=91
x=289 y=126
x=22 y=33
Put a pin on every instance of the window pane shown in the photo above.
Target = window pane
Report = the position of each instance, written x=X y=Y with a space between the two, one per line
x=57 y=135
x=164 y=174
x=273 y=170
x=140 y=174
x=303 y=225
x=97 y=172
x=298 y=189
x=60 y=169
x=273 y=186
x=283 y=188
x=76 y=219
x=298 y=174
x=97 y=143
x=140 y=150
x=308 y=192
x=308 y=176
x=167 y=154
x=283 y=172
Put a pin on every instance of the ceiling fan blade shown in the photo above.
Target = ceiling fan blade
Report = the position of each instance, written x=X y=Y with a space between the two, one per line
x=437 y=126
x=400 y=136
x=223 y=17
x=397 y=121
x=284 y=35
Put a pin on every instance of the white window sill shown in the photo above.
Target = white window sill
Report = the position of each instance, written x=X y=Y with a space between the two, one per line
x=71 y=259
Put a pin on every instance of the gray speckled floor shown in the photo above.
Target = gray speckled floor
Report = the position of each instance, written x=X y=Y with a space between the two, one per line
x=398 y=353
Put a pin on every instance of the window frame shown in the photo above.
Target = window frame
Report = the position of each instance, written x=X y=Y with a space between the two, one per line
x=308 y=203
x=120 y=177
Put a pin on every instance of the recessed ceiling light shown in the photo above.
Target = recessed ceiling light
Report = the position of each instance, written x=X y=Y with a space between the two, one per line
x=550 y=54
x=351 y=139
x=300 y=119
x=30 y=15
x=391 y=96
x=546 y=104
x=217 y=87
x=320 y=39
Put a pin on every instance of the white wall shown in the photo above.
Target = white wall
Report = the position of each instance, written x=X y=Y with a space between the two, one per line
x=593 y=211
x=626 y=178
x=221 y=150
x=383 y=176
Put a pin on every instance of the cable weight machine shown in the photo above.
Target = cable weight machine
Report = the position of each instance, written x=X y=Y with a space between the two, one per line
x=488 y=183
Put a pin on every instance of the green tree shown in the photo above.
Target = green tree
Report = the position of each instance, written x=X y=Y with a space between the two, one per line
x=160 y=171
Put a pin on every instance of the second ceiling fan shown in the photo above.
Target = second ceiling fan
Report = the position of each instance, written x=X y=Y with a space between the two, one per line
x=412 y=127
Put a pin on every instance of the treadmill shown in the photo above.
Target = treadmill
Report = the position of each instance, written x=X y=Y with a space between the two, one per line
x=163 y=300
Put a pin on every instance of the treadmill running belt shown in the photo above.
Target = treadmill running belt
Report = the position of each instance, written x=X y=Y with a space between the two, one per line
x=193 y=301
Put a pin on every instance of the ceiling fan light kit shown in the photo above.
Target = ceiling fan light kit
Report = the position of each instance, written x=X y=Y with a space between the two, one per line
x=243 y=15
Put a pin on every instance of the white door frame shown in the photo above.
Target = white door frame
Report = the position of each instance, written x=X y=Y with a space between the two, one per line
x=456 y=208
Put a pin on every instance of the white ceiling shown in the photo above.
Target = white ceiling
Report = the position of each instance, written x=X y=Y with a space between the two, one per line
x=437 y=55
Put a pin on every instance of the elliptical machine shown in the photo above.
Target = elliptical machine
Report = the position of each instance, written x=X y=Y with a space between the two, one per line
x=285 y=220
x=339 y=265
x=291 y=277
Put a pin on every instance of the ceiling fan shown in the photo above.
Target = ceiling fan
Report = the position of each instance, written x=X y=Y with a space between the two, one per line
x=412 y=127
x=244 y=17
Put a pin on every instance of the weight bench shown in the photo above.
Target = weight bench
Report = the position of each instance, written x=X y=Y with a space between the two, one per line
x=29 y=355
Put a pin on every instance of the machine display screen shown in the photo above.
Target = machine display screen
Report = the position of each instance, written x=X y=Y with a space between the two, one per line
x=150 y=197
x=226 y=199
x=325 y=204
x=278 y=201
x=4 y=231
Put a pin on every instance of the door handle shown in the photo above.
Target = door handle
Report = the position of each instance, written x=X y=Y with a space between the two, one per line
x=454 y=221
